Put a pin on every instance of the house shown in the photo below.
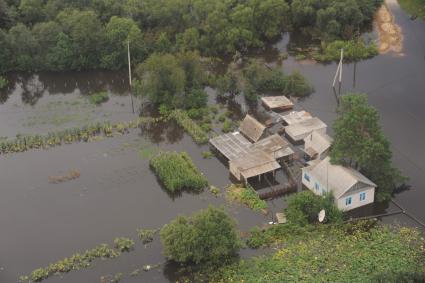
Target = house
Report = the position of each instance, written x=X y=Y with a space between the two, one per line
x=295 y=117
x=350 y=188
x=280 y=103
x=299 y=131
x=317 y=145
x=253 y=164
x=252 y=129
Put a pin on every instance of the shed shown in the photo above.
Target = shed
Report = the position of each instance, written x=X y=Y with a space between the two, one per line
x=298 y=131
x=275 y=145
x=317 y=145
x=350 y=188
x=232 y=145
x=296 y=117
x=253 y=164
x=277 y=102
x=251 y=128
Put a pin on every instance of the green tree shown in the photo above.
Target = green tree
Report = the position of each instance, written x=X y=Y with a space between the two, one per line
x=32 y=11
x=23 y=47
x=304 y=207
x=360 y=143
x=207 y=237
x=163 y=80
x=228 y=84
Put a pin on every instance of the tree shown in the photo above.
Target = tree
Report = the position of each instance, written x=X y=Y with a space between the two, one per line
x=32 y=11
x=207 y=237
x=360 y=143
x=304 y=207
x=163 y=80
x=228 y=83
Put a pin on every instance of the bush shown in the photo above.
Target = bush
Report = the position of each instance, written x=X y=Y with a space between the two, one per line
x=124 y=244
x=177 y=172
x=99 y=97
x=304 y=207
x=227 y=126
x=354 y=50
x=3 y=82
x=207 y=237
x=146 y=236
x=247 y=196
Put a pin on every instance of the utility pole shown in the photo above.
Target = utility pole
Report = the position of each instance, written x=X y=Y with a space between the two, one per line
x=129 y=74
x=338 y=72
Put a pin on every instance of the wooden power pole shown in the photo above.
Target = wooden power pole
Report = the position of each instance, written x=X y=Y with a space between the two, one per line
x=129 y=74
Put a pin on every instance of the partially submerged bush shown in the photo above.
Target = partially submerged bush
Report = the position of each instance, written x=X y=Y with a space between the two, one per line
x=146 y=235
x=245 y=195
x=177 y=172
x=354 y=50
x=206 y=237
x=98 y=97
x=124 y=244
x=304 y=207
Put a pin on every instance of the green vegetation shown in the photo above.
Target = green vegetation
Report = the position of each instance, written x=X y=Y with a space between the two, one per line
x=304 y=207
x=124 y=244
x=354 y=50
x=358 y=252
x=85 y=134
x=258 y=78
x=414 y=7
x=177 y=172
x=227 y=126
x=146 y=235
x=173 y=80
x=52 y=35
x=207 y=154
x=98 y=97
x=208 y=236
x=75 y=262
x=360 y=143
x=245 y=195
x=214 y=190
x=3 y=82
x=190 y=126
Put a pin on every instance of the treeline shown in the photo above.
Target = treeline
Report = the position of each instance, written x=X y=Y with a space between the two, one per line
x=91 y=34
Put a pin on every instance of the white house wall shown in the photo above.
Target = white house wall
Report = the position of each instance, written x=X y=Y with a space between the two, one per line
x=320 y=189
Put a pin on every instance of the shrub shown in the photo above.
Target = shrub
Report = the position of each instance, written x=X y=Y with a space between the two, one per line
x=124 y=244
x=222 y=118
x=3 y=82
x=227 y=126
x=206 y=237
x=207 y=154
x=246 y=195
x=304 y=207
x=177 y=172
x=99 y=97
x=354 y=50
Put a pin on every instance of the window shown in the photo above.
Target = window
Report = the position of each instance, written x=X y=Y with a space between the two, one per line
x=316 y=186
x=348 y=201
x=306 y=177
x=362 y=196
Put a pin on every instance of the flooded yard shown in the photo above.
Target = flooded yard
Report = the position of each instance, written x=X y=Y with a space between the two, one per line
x=116 y=192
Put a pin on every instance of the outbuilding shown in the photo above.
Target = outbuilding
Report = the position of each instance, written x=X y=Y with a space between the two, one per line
x=299 y=131
x=317 y=145
x=252 y=129
x=280 y=103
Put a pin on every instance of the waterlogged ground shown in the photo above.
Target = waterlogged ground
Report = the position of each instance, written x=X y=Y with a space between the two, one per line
x=117 y=193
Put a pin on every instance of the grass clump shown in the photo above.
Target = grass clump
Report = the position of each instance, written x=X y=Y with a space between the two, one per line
x=357 y=252
x=247 y=196
x=98 y=97
x=190 y=126
x=207 y=154
x=124 y=244
x=177 y=172
x=227 y=126
x=146 y=235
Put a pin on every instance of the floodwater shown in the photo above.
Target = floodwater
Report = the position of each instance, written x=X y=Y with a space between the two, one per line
x=117 y=193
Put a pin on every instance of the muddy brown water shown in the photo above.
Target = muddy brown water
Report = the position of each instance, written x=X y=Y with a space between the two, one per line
x=117 y=193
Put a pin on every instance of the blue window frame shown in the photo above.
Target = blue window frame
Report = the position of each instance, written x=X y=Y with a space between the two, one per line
x=306 y=177
x=348 y=201
x=316 y=186
x=362 y=196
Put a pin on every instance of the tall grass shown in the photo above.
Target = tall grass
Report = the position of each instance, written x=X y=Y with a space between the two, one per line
x=190 y=126
x=177 y=172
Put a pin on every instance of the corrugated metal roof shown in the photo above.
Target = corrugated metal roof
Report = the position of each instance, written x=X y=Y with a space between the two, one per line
x=231 y=145
x=251 y=128
x=255 y=163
